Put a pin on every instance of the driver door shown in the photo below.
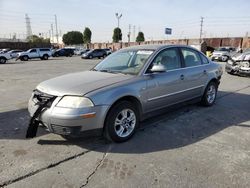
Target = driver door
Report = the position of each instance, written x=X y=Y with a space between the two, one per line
x=164 y=88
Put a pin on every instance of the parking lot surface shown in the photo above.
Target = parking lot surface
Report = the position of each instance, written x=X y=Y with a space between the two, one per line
x=192 y=146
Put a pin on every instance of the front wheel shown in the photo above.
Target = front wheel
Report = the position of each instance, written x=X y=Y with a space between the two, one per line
x=224 y=58
x=3 y=60
x=25 y=58
x=121 y=122
x=210 y=94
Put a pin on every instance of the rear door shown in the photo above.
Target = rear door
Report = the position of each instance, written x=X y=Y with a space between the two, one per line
x=195 y=72
x=165 y=88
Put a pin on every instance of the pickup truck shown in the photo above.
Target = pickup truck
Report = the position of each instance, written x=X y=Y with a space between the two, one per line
x=42 y=53
x=4 y=57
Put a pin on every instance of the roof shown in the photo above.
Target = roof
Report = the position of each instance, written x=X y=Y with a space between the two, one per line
x=150 y=47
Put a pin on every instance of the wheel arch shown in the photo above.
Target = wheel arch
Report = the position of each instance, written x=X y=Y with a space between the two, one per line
x=129 y=98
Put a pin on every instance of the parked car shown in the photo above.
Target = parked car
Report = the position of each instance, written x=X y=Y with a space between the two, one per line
x=223 y=53
x=14 y=53
x=123 y=89
x=68 y=52
x=4 y=50
x=4 y=57
x=108 y=51
x=96 y=53
x=239 y=64
x=81 y=51
x=42 y=53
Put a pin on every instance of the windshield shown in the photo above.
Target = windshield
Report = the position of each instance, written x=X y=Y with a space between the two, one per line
x=126 y=62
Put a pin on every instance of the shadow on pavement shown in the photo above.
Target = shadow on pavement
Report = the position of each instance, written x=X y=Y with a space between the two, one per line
x=175 y=129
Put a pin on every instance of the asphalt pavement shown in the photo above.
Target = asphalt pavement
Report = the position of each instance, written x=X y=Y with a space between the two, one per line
x=192 y=146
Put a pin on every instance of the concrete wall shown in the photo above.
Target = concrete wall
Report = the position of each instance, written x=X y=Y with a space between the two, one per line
x=23 y=45
x=212 y=42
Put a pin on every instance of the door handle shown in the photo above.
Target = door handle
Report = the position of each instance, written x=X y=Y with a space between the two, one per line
x=182 y=77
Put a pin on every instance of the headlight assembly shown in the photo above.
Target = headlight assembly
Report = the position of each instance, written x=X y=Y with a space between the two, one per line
x=75 y=102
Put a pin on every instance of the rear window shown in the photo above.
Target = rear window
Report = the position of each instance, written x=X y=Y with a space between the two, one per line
x=44 y=49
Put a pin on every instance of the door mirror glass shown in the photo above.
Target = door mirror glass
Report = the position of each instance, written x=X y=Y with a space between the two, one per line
x=158 y=68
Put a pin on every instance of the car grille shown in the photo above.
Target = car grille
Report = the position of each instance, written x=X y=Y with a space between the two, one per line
x=40 y=98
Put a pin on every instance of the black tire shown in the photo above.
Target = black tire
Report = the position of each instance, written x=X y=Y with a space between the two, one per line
x=45 y=57
x=90 y=57
x=3 y=60
x=206 y=100
x=115 y=112
x=104 y=56
x=25 y=58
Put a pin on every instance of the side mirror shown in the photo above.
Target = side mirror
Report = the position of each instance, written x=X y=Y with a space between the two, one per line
x=158 y=68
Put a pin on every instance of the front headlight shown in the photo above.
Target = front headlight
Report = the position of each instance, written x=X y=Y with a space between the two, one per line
x=75 y=102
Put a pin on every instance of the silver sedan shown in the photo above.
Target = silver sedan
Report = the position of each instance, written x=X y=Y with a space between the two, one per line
x=123 y=89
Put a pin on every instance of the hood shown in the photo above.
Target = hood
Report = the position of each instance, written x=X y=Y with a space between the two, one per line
x=80 y=83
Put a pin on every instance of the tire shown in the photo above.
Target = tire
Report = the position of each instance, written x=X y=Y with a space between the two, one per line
x=210 y=93
x=45 y=57
x=104 y=56
x=225 y=59
x=3 y=60
x=25 y=58
x=118 y=125
x=90 y=57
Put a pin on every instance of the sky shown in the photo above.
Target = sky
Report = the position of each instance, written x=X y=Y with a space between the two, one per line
x=222 y=18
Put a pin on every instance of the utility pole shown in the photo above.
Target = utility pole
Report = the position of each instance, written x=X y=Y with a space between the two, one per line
x=52 y=33
x=134 y=33
x=129 y=32
x=56 y=29
x=118 y=19
x=202 y=19
x=28 y=26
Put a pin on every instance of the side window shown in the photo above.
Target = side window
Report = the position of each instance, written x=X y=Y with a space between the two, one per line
x=33 y=50
x=204 y=59
x=191 y=57
x=169 y=58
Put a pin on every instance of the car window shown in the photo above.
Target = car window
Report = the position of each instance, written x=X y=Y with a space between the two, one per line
x=33 y=50
x=169 y=58
x=191 y=57
x=204 y=59
x=127 y=62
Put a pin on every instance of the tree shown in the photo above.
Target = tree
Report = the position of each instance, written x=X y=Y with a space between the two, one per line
x=38 y=40
x=73 y=37
x=140 y=37
x=87 y=35
x=117 y=35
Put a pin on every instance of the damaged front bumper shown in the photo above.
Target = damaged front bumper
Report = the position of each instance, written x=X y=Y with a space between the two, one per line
x=233 y=67
x=68 y=121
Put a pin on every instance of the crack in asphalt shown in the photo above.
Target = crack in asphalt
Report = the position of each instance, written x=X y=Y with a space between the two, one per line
x=6 y=183
x=97 y=167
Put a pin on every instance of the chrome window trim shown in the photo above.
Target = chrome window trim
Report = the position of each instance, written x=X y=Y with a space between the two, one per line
x=169 y=47
x=177 y=69
x=174 y=93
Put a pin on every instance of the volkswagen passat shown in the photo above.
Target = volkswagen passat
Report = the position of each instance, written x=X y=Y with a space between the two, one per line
x=123 y=89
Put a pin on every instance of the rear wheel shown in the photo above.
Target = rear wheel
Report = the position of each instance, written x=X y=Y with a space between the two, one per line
x=3 y=60
x=210 y=94
x=45 y=57
x=121 y=122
